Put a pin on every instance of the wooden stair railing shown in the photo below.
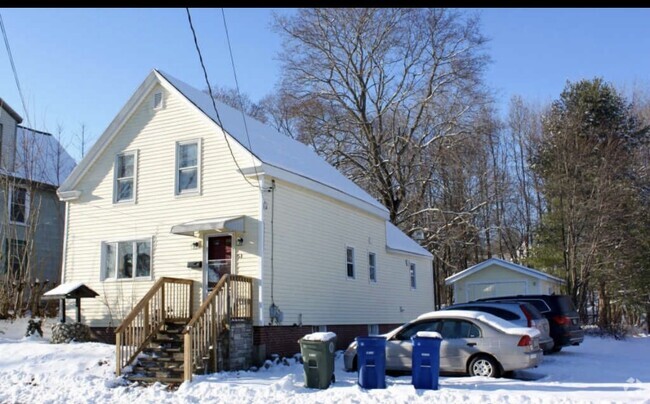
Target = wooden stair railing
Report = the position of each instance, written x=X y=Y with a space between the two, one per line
x=168 y=299
x=231 y=299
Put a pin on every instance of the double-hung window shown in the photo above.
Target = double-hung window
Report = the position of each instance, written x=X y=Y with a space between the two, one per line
x=412 y=275
x=188 y=167
x=350 y=261
x=18 y=205
x=16 y=257
x=372 y=267
x=126 y=259
x=125 y=174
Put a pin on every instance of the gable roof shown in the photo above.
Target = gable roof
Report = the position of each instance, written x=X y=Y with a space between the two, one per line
x=41 y=158
x=279 y=155
x=503 y=264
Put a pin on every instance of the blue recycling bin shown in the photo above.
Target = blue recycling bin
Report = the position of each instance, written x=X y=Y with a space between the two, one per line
x=425 y=367
x=371 y=360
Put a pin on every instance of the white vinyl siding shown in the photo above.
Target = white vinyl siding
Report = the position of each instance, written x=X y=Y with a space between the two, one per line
x=349 y=261
x=93 y=219
x=311 y=236
x=188 y=167
x=125 y=177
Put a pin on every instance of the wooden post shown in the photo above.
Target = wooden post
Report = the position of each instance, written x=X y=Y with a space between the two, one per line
x=187 y=357
x=147 y=325
x=118 y=353
x=163 y=309
x=62 y=308
x=78 y=302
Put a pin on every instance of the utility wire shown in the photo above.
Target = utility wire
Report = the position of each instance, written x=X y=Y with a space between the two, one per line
x=214 y=104
x=241 y=103
x=13 y=67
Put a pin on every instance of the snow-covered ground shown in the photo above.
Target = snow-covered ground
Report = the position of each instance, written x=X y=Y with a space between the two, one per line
x=34 y=371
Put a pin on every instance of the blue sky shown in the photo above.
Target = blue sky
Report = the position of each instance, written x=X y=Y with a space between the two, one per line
x=79 y=66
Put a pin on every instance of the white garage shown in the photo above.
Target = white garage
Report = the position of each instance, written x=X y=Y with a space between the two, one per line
x=496 y=277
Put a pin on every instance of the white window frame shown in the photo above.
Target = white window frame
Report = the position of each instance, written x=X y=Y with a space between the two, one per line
x=197 y=191
x=134 y=153
x=373 y=329
x=10 y=204
x=372 y=267
x=320 y=328
x=162 y=100
x=115 y=244
x=348 y=263
x=412 y=276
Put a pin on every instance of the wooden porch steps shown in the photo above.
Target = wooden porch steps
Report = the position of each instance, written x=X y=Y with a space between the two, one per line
x=162 y=361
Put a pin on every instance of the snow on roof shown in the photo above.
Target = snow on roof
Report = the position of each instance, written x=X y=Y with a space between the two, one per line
x=504 y=264
x=490 y=319
x=398 y=241
x=271 y=147
x=319 y=336
x=63 y=289
x=40 y=157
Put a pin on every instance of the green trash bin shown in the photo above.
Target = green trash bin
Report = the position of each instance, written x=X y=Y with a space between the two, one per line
x=317 y=352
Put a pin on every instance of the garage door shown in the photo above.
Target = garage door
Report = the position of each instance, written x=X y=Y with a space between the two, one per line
x=491 y=289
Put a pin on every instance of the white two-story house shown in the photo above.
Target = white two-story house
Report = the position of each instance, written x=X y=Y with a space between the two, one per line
x=177 y=187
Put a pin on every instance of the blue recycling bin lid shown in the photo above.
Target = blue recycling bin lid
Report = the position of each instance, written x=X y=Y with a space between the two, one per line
x=427 y=334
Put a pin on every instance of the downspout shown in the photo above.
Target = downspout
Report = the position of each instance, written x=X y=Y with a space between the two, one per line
x=65 y=240
x=260 y=243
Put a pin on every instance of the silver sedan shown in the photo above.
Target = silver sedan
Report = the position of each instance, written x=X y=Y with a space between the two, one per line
x=474 y=343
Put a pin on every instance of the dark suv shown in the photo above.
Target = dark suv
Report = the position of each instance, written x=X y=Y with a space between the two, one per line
x=560 y=312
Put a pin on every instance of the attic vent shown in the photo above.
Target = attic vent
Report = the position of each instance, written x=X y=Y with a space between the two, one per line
x=157 y=100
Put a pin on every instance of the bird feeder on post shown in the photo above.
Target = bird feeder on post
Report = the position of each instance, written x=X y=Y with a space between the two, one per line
x=65 y=291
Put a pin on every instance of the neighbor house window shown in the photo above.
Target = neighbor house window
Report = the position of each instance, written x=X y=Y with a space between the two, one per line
x=350 y=261
x=18 y=205
x=320 y=328
x=373 y=329
x=126 y=259
x=187 y=167
x=412 y=275
x=125 y=172
x=372 y=267
x=16 y=258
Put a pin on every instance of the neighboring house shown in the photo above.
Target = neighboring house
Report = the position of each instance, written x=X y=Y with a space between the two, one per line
x=196 y=196
x=32 y=166
x=496 y=277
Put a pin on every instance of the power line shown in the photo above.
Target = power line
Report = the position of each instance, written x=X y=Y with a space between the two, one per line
x=214 y=104
x=13 y=67
x=241 y=104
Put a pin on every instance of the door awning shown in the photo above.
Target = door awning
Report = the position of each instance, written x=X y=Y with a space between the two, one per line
x=69 y=291
x=233 y=224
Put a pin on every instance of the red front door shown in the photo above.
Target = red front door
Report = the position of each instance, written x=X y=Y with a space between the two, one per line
x=219 y=258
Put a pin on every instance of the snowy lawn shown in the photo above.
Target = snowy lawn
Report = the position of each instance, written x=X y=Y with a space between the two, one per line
x=34 y=371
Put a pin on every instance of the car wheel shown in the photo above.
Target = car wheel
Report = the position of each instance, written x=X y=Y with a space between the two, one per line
x=484 y=366
x=556 y=349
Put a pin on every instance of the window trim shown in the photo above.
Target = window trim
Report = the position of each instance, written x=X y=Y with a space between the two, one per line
x=199 y=148
x=413 y=276
x=372 y=268
x=10 y=204
x=348 y=263
x=115 y=242
x=133 y=199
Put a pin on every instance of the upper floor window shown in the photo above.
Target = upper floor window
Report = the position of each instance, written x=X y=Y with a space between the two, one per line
x=125 y=173
x=412 y=275
x=126 y=259
x=158 y=100
x=372 y=267
x=350 y=261
x=188 y=167
x=18 y=205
